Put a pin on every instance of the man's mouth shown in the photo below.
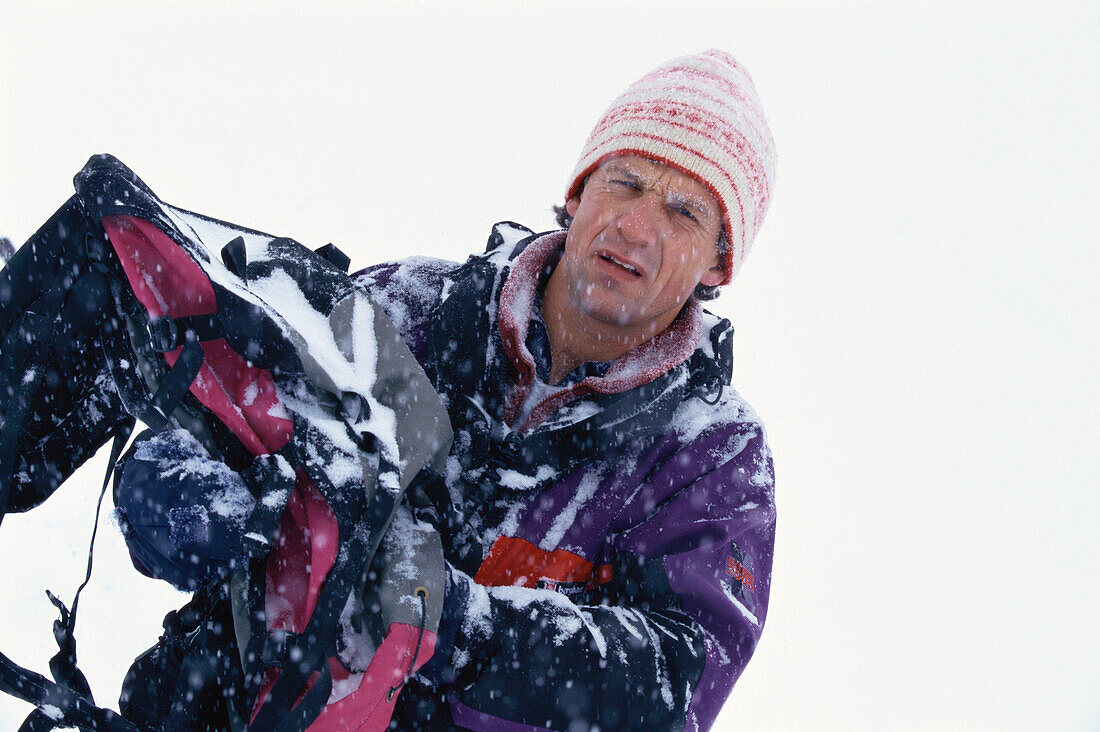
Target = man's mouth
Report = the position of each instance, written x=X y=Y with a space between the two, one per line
x=607 y=257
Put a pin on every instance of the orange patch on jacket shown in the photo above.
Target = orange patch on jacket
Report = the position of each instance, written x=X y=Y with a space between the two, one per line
x=514 y=561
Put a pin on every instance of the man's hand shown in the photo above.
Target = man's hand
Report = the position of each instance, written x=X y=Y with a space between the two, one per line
x=391 y=629
x=404 y=585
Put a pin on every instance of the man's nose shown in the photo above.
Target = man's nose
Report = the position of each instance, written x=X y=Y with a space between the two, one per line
x=641 y=224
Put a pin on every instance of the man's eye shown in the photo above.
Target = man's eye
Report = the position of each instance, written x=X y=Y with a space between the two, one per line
x=686 y=213
x=633 y=185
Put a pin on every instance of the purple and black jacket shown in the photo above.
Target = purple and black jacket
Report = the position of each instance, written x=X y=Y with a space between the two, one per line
x=610 y=546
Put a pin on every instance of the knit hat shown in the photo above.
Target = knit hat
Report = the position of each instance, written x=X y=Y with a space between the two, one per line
x=699 y=114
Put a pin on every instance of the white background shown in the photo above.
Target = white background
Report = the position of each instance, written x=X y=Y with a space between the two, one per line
x=916 y=324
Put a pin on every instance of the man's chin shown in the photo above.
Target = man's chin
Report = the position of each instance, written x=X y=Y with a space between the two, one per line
x=613 y=316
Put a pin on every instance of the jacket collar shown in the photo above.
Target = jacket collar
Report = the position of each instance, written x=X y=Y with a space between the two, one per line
x=641 y=365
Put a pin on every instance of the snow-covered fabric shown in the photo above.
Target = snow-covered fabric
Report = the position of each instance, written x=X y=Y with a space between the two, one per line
x=60 y=359
x=609 y=560
x=699 y=114
x=182 y=512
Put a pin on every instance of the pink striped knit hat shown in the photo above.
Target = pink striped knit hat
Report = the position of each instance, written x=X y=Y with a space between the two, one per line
x=701 y=115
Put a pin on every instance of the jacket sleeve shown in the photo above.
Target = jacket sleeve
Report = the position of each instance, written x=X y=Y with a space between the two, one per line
x=661 y=644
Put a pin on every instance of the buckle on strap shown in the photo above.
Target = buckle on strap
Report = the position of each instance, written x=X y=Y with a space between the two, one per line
x=163 y=334
x=167 y=333
x=277 y=647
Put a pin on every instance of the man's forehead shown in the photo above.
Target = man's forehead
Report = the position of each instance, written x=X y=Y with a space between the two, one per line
x=656 y=172
x=652 y=169
x=638 y=164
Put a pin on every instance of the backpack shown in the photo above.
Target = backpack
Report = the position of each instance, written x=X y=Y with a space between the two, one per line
x=122 y=308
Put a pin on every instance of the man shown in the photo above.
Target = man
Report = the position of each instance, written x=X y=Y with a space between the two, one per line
x=606 y=511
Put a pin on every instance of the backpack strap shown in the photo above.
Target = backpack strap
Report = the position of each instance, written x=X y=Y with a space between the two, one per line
x=67 y=701
x=168 y=334
x=177 y=382
x=65 y=707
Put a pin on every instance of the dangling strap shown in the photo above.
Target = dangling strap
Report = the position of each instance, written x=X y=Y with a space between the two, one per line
x=63 y=665
x=67 y=701
x=63 y=706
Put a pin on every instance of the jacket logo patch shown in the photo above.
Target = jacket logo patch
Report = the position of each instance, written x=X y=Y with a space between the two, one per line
x=738 y=567
x=740 y=574
x=569 y=589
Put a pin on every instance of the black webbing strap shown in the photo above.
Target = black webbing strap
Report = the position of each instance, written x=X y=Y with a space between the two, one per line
x=38 y=721
x=168 y=333
x=63 y=665
x=63 y=705
x=311 y=705
x=275 y=487
x=174 y=387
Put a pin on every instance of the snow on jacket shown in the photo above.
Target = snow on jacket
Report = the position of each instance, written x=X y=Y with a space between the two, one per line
x=610 y=552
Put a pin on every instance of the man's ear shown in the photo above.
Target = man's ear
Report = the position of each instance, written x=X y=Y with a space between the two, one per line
x=572 y=204
x=713 y=276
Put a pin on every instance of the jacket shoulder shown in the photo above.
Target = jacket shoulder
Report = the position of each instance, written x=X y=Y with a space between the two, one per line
x=693 y=417
x=407 y=291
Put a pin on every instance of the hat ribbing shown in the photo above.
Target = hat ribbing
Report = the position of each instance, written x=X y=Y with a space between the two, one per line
x=701 y=115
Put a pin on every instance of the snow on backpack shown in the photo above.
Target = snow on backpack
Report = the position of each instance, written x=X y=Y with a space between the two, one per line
x=120 y=308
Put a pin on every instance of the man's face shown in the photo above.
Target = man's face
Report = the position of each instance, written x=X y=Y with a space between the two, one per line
x=643 y=236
